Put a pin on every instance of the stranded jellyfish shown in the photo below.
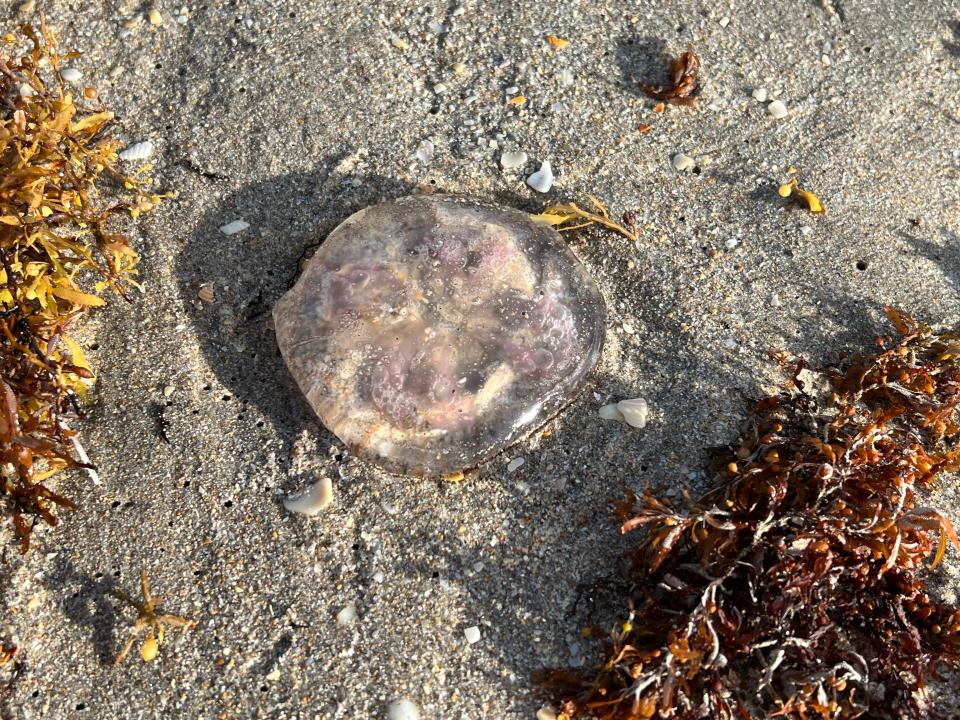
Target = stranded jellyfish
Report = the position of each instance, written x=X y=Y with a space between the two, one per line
x=430 y=333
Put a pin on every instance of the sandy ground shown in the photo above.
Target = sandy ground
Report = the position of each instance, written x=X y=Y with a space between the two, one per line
x=293 y=115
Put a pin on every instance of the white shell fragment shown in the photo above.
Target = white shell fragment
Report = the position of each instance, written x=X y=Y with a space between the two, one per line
x=70 y=75
x=611 y=412
x=425 y=152
x=760 y=94
x=313 y=500
x=546 y=713
x=513 y=159
x=682 y=162
x=137 y=151
x=514 y=464
x=346 y=616
x=542 y=179
x=777 y=109
x=232 y=228
x=634 y=412
x=403 y=710
x=472 y=634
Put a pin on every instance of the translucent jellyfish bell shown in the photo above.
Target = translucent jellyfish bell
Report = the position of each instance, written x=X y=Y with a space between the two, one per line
x=431 y=332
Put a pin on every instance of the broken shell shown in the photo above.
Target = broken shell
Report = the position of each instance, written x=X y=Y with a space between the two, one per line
x=432 y=332
x=137 y=151
x=70 y=75
x=315 y=499
x=610 y=412
x=232 y=228
x=634 y=412
x=542 y=179
x=513 y=160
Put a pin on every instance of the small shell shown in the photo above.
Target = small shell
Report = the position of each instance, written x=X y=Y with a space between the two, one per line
x=70 y=75
x=513 y=159
x=346 y=616
x=514 y=464
x=313 y=500
x=611 y=412
x=403 y=710
x=138 y=151
x=777 y=109
x=232 y=228
x=425 y=152
x=542 y=179
x=682 y=162
x=634 y=412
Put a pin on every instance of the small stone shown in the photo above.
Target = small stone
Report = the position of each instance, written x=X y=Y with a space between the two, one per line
x=546 y=713
x=513 y=159
x=610 y=412
x=724 y=21
x=440 y=88
x=425 y=152
x=347 y=616
x=512 y=90
x=472 y=634
x=731 y=243
x=70 y=75
x=514 y=464
x=403 y=710
x=155 y=17
x=273 y=675
x=399 y=43
x=28 y=7
x=168 y=390
x=825 y=60
x=777 y=109
x=634 y=412
x=435 y=27
x=565 y=77
x=542 y=179
x=760 y=94
x=233 y=227
x=682 y=162
x=459 y=68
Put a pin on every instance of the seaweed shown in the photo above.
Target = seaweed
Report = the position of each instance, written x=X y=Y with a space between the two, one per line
x=684 y=81
x=59 y=255
x=796 y=585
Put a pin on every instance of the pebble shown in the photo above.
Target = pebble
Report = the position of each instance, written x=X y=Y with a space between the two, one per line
x=634 y=412
x=379 y=577
x=440 y=88
x=682 y=162
x=137 y=151
x=70 y=75
x=168 y=390
x=610 y=412
x=778 y=109
x=315 y=499
x=760 y=94
x=155 y=17
x=724 y=21
x=459 y=68
x=425 y=152
x=565 y=77
x=403 y=710
x=542 y=179
x=232 y=228
x=205 y=293
x=472 y=634
x=546 y=713
x=732 y=243
x=512 y=90
x=514 y=464
x=513 y=159
x=346 y=616
x=26 y=90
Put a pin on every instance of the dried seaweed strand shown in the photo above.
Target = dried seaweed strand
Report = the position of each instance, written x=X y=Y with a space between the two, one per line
x=56 y=241
x=794 y=588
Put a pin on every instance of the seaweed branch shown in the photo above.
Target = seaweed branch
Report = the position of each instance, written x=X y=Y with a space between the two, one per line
x=795 y=586
x=59 y=254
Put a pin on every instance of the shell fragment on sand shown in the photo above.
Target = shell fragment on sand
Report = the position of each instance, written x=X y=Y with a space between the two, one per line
x=232 y=228
x=431 y=332
x=542 y=179
x=137 y=151
x=315 y=499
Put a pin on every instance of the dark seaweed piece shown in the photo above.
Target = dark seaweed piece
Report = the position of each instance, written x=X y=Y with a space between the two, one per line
x=795 y=586
x=684 y=79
